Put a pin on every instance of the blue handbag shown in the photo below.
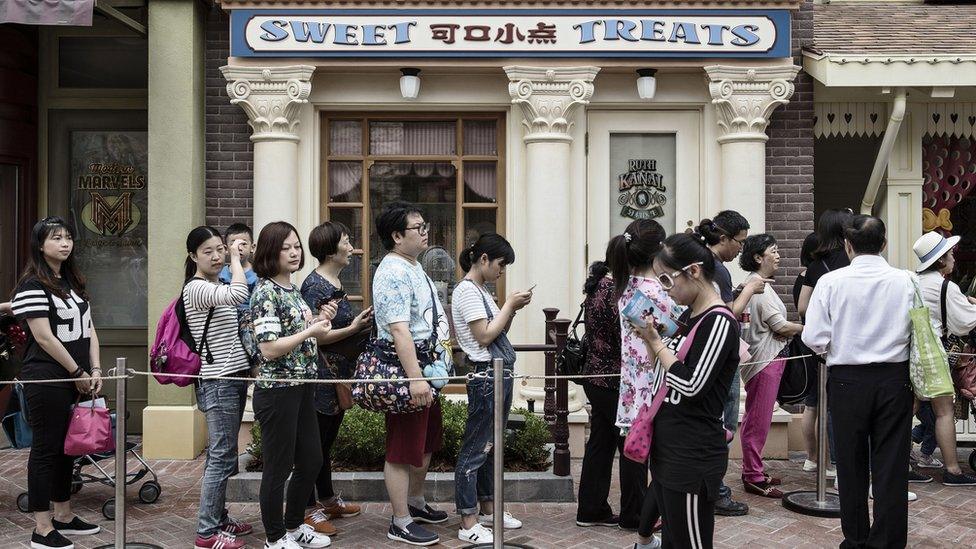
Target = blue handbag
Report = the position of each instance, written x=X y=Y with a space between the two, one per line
x=15 y=424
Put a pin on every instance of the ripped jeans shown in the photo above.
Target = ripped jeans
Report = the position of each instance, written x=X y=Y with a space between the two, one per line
x=473 y=482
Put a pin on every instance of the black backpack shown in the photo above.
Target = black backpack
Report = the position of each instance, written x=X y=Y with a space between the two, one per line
x=799 y=375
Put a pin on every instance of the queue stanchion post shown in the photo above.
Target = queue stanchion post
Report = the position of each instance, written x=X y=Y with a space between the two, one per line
x=819 y=502
x=498 y=461
x=121 y=452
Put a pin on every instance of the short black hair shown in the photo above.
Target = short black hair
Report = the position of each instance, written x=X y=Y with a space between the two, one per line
x=238 y=228
x=866 y=234
x=393 y=219
x=810 y=244
x=324 y=239
x=756 y=244
x=270 y=241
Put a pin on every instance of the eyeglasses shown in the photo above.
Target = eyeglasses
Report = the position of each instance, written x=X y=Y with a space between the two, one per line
x=667 y=280
x=421 y=229
x=737 y=241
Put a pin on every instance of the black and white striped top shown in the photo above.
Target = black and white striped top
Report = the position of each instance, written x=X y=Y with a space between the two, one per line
x=223 y=337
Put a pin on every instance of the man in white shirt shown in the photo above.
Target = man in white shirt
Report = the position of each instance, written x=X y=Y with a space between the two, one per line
x=858 y=315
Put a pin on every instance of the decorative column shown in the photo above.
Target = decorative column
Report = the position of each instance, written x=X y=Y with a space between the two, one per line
x=745 y=98
x=272 y=98
x=548 y=99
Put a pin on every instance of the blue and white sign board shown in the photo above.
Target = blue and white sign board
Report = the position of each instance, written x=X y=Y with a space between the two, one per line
x=510 y=33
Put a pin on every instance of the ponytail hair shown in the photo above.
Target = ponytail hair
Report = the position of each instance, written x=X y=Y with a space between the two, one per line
x=684 y=249
x=727 y=223
x=493 y=245
x=196 y=238
x=634 y=249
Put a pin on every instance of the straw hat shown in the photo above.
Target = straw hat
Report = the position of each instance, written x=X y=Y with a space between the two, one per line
x=931 y=246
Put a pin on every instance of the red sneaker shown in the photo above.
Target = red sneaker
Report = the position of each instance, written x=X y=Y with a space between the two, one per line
x=220 y=540
x=236 y=527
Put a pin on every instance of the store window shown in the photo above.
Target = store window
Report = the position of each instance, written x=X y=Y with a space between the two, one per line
x=452 y=167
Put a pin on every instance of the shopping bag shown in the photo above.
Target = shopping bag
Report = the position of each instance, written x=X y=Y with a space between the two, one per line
x=928 y=363
x=89 y=430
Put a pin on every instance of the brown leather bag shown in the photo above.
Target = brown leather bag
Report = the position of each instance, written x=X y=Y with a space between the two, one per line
x=344 y=395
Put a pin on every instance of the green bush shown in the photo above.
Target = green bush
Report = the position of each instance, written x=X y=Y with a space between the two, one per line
x=361 y=442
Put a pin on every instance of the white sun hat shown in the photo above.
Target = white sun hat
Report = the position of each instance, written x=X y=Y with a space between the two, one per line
x=931 y=246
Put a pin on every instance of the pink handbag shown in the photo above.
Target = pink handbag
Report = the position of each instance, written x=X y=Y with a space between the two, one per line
x=637 y=445
x=89 y=431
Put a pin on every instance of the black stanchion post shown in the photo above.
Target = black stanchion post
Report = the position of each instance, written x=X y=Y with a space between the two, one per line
x=549 y=407
x=561 y=455
x=120 y=465
x=817 y=503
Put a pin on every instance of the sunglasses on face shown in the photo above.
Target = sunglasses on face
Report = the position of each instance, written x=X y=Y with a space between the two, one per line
x=667 y=279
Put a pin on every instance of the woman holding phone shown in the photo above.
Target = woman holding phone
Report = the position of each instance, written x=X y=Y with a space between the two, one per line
x=331 y=246
x=689 y=453
x=481 y=326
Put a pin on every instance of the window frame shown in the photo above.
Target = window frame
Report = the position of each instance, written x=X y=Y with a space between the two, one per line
x=363 y=249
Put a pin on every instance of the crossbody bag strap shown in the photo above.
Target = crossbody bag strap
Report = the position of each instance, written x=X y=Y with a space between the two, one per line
x=206 y=328
x=484 y=301
x=942 y=306
x=435 y=317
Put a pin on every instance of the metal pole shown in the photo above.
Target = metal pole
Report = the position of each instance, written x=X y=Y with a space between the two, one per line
x=120 y=453
x=819 y=502
x=498 y=526
x=823 y=442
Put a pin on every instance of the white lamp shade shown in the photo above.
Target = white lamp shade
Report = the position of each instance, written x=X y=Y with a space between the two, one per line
x=409 y=86
x=646 y=87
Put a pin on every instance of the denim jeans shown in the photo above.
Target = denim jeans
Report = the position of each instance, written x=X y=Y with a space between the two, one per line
x=924 y=432
x=730 y=418
x=473 y=480
x=223 y=404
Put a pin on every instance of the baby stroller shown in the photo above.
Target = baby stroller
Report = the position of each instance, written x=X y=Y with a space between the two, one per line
x=19 y=434
x=964 y=379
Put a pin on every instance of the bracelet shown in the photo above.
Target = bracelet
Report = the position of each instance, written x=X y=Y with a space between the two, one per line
x=77 y=373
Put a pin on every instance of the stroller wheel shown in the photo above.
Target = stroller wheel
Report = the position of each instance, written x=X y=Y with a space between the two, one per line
x=149 y=491
x=22 y=503
x=972 y=460
x=108 y=509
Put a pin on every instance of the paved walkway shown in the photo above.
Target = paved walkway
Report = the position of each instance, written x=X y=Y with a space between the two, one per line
x=943 y=517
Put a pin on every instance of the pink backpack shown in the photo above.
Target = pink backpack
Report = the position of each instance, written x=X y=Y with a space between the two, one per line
x=174 y=351
x=637 y=445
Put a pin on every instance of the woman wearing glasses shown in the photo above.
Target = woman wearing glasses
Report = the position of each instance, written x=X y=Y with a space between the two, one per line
x=689 y=454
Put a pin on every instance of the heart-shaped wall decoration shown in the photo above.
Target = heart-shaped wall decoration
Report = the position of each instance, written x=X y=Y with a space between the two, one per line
x=874 y=117
x=936 y=116
x=972 y=120
x=830 y=117
x=815 y=120
x=847 y=117
x=953 y=117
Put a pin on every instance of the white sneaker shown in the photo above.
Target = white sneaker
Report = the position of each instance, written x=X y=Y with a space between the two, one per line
x=306 y=536
x=285 y=542
x=924 y=461
x=510 y=523
x=912 y=496
x=476 y=534
x=811 y=467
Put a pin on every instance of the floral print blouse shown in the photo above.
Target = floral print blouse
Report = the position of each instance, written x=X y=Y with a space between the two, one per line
x=602 y=335
x=280 y=312
x=636 y=370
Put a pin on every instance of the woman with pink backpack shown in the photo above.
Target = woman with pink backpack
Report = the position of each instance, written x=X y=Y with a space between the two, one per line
x=211 y=316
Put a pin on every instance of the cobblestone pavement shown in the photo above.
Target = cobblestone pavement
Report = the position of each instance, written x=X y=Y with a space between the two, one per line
x=942 y=517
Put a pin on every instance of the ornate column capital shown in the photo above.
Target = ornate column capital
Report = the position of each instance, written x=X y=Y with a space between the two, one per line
x=745 y=97
x=548 y=98
x=271 y=97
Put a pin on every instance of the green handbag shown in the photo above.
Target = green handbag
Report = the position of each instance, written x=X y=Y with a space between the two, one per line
x=928 y=365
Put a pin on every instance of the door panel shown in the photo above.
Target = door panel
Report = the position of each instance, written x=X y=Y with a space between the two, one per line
x=641 y=165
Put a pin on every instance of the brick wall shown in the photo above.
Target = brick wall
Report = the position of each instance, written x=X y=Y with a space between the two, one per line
x=229 y=152
x=789 y=165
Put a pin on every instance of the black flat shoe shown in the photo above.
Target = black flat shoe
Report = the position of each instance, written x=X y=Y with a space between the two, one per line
x=76 y=527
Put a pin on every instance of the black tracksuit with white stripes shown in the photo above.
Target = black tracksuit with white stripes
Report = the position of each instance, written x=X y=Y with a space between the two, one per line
x=689 y=455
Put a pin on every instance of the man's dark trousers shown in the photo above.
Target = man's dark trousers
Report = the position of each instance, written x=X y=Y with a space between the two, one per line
x=872 y=409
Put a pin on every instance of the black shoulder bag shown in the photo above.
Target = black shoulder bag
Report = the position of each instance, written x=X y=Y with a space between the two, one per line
x=572 y=359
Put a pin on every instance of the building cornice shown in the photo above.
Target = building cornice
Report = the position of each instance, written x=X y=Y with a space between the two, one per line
x=890 y=69
x=508 y=4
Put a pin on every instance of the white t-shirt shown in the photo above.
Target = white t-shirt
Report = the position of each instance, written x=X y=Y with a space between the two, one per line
x=468 y=306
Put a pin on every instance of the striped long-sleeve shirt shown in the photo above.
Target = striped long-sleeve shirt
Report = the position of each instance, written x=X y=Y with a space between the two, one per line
x=223 y=337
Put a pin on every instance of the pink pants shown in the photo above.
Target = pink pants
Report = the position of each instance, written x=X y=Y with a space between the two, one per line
x=760 y=400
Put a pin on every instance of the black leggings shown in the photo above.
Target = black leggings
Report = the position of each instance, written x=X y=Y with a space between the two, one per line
x=689 y=519
x=328 y=431
x=48 y=469
x=288 y=439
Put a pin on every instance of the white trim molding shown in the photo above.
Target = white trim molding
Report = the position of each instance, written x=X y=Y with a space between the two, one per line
x=272 y=97
x=908 y=70
x=954 y=119
x=849 y=119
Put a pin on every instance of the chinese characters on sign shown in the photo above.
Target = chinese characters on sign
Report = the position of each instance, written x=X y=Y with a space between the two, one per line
x=641 y=190
x=445 y=33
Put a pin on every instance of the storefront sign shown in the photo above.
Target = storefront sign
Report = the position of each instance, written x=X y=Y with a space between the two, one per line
x=642 y=190
x=507 y=33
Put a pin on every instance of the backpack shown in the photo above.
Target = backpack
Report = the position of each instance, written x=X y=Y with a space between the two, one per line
x=799 y=374
x=174 y=351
